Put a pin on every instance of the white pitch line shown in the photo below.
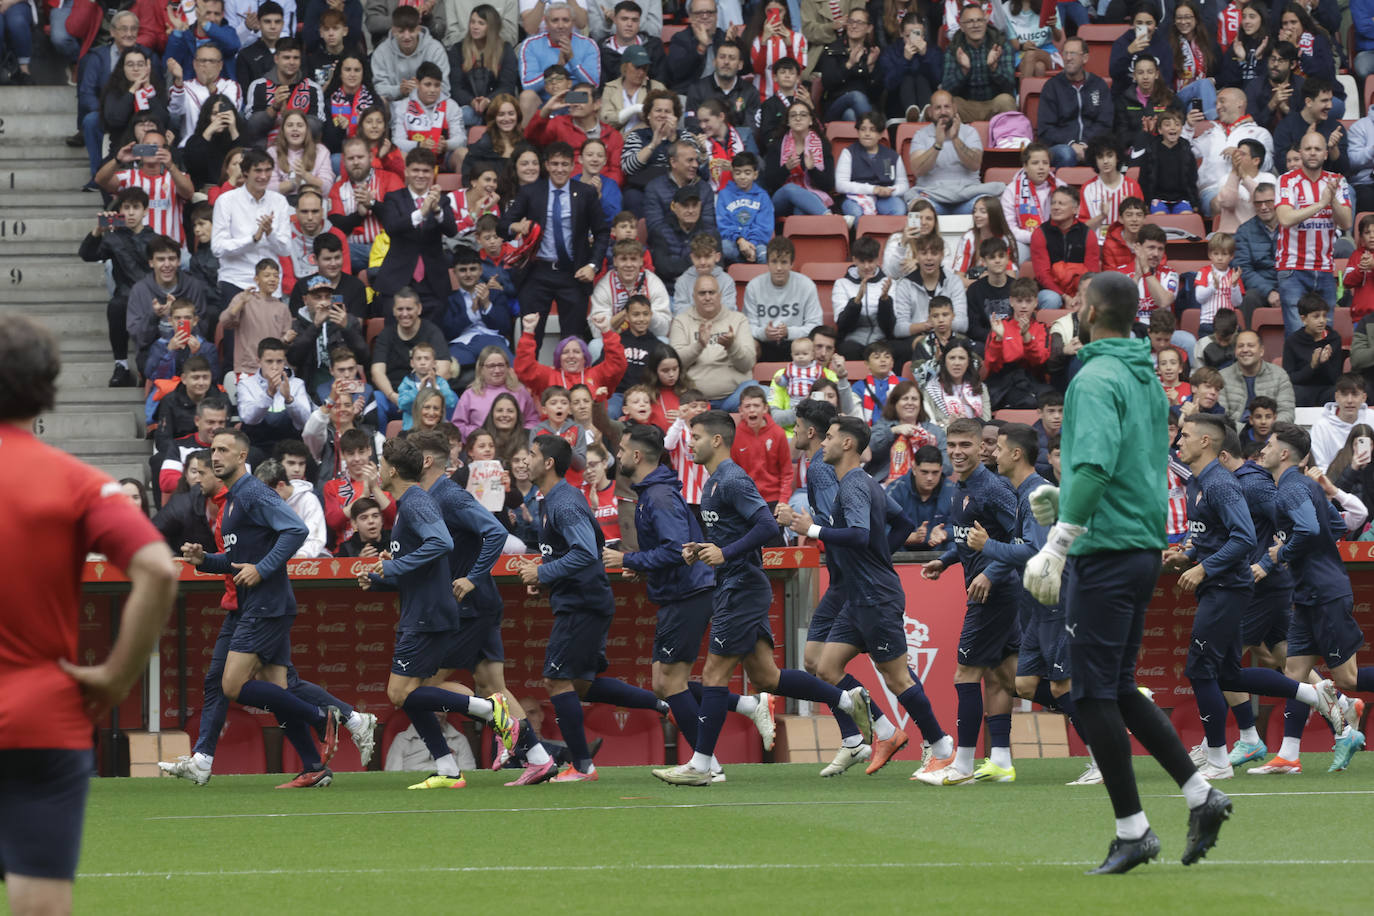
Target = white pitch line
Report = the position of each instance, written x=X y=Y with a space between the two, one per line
x=1279 y=794
x=705 y=866
x=765 y=804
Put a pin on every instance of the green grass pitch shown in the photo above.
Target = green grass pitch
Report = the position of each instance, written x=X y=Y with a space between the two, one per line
x=774 y=839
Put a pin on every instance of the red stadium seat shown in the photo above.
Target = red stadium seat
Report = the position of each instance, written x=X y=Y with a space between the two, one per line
x=1031 y=87
x=241 y=748
x=1190 y=320
x=842 y=135
x=1268 y=323
x=1003 y=174
x=1076 y=175
x=1188 y=222
x=449 y=181
x=374 y=327
x=1050 y=316
x=1343 y=325
x=824 y=274
x=818 y=238
x=393 y=428
x=904 y=134
x=1099 y=39
x=764 y=372
x=475 y=133
x=878 y=226
x=1183 y=265
x=1027 y=417
x=739 y=743
x=982 y=128
x=669 y=30
x=633 y=737
x=742 y=274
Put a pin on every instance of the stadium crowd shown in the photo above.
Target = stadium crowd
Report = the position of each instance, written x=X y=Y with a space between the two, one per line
x=327 y=221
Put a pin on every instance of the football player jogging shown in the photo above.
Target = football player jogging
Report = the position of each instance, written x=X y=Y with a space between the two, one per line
x=570 y=542
x=871 y=618
x=1323 y=626
x=478 y=540
x=813 y=422
x=1043 y=669
x=260 y=534
x=1111 y=508
x=198 y=766
x=682 y=592
x=990 y=637
x=738 y=524
x=59 y=510
x=1216 y=565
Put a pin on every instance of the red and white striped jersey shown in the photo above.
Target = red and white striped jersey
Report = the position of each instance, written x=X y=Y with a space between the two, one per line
x=164 y=204
x=1228 y=26
x=693 y=475
x=966 y=254
x=1098 y=198
x=765 y=52
x=1308 y=245
x=466 y=216
x=343 y=201
x=605 y=505
x=1215 y=291
x=1167 y=277
x=1177 y=520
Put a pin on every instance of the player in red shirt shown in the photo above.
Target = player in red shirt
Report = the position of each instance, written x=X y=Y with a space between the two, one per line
x=57 y=511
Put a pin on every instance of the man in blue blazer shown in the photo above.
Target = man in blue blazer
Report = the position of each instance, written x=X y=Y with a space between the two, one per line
x=571 y=248
x=92 y=75
x=478 y=314
x=416 y=217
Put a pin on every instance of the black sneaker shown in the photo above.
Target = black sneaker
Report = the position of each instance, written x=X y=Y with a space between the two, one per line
x=1124 y=855
x=21 y=78
x=122 y=377
x=76 y=140
x=1204 y=823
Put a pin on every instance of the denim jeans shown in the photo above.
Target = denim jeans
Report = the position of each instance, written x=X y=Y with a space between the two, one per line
x=94 y=136
x=729 y=250
x=1176 y=207
x=1363 y=65
x=1294 y=283
x=848 y=107
x=358 y=253
x=1062 y=155
x=1203 y=90
x=16 y=32
x=793 y=197
x=1048 y=299
x=1073 y=14
x=887 y=206
x=64 y=42
x=731 y=401
x=943 y=209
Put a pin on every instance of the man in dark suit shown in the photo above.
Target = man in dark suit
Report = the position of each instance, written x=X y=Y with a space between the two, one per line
x=416 y=217
x=572 y=243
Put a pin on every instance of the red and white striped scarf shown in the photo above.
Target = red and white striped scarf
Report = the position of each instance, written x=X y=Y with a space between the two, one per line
x=904 y=450
x=815 y=147
x=963 y=401
x=620 y=292
x=1028 y=210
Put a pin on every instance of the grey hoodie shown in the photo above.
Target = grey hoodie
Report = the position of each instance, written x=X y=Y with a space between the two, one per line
x=390 y=66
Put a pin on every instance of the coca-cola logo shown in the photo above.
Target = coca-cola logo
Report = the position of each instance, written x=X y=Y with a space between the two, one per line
x=370 y=687
x=339 y=627
x=1157 y=671
x=373 y=607
x=336 y=668
x=370 y=647
x=646 y=621
x=1153 y=631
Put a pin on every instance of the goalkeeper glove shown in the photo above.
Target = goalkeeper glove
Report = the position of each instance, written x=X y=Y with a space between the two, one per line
x=1044 y=503
x=1045 y=570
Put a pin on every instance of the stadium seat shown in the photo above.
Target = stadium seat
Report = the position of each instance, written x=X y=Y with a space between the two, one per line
x=877 y=226
x=1027 y=417
x=764 y=372
x=1001 y=158
x=241 y=748
x=642 y=231
x=633 y=737
x=1076 y=175
x=1268 y=323
x=1031 y=87
x=855 y=369
x=1343 y=324
x=818 y=238
x=1186 y=265
x=666 y=35
x=1003 y=174
x=842 y=135
x=475 y=133
x=1188 y=222
x=449 y=181
x=1189 y=321
x=742 y=274
x=374 y=327
x=393 y=428
x=904 y=134
x=1099 y=39
x=982 y=128
x=824 y=274
x=1050 y=316
x=739 y=743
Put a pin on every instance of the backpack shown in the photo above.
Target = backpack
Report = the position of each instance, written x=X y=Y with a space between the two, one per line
x=1010 y=130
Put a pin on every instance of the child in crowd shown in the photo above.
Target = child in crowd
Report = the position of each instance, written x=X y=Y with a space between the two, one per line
x=598 y=486
x=1169 y=368
x=495 y=252
x=1017 y=350
x=930 y=349
x=257 y=313
x=1161 y=332
x=1313 y=355
x=178 y=341
x=1359 y=271
x=662 y=375
x=639 y=406
x=705 y=253
x=204 y=265
x=1168 y=171
x=555 y=408
x=628 y=278
x=360 y=478
x=1262 y=413
x=1101 y=199
x=744 y=213
x=478 y=199
x=873 y=390
x=423 y=375
x=370 y=535
x=1118 y=251
x=121 y=238
x=786 y=87
x=678 y=442
x=639 y=341
x=1206 y=384
x=583 y=407
x=625 y=227
x=1218 y=285
x=989 y=297
x=1219 y=349
x=793 y=382
x=521 y=509
x=1050 y=405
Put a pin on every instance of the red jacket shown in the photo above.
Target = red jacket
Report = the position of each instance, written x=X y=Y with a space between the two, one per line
x=602 y=378
x=339 y=494
x=153 y=24
x=1051 y=246
x=1362 y=282
x=1011 y=350
x=542 y=131
x=288 y=268
x=766 y=456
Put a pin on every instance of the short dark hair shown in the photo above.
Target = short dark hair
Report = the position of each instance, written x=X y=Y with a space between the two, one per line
x=558 y=148
x=405 y=20
x=1050 y=398
x=213 y=402
x=201 y=454
x=823 y=330
x=270 y=343
x=291 y=448
x=130 y=195
x=419 y=155
x=557 y=449
x=1225 y=322
x=648 y=438
x=29 y=366
x=1230 y=442
x=1116 y=299
x=928 y=454
x=1350 y=381
x=1254 y=148
x=429 y=70
x=287 y=43
x=991 y=248
x=717 y=423
x=196 y=363
x=877 y=346
x=754 y=391
x=865 y=249
x=780 y=245
x=1215 y=426
x=326 y=241
x=1311 y=303
x=161 y=243
x=1069 y=191
x=943 y=302
x=355 y=440
x=1314 y=86
x=254 y=157
x=239 y=436
x=1295 y=438
x=405 y=457
x=966 y=426
x=271 y=472
x=363 y=504
x=1023 y=437
x=429 y=441
x=1132 y=203
x=745 y=159
x=786 y=63
x=1262 y=402
x=816 y=413
x=856 y=429
x=1023 y=288
x=1151 y=233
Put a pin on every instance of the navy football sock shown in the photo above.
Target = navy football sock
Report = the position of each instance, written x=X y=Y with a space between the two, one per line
x=1266 y=682
x=917 y=705
x=428 y=727
x=685 y=711
x=615 y=692
x=710 y=720
x=1151 y=728
x=1294 y=718
x=1106 y=735
x=847 y=727
x=970 y=720
x=298 y=733
x=1069 y=707
x=802 y=686
x=732 y=701
x=437 y=699
x=1211 y=709
x=274 y=699
x=567 y=710
x=1244 y=714
x=213 y=713
x=1045 y=697
x=316 y=695
x=1364 y=680
x=999 y=730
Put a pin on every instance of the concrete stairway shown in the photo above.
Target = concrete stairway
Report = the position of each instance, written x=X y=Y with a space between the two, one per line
x=43 y=217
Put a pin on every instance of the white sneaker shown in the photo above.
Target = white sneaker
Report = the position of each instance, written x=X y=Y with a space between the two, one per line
x=846 y=757
x=186 y=768
x=717 y=775
x=1198 y=755
x=945 y=776
x=1092 y=776
x=1328 y=707
x=365 y=736
x=1211 y=772
x=762 y=717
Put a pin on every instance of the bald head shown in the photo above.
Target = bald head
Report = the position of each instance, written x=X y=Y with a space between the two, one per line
x=1230 y=105
x=706 y=296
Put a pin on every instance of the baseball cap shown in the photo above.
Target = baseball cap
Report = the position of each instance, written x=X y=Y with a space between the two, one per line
x=635 y=54
x=319 y=281
x=689 y=194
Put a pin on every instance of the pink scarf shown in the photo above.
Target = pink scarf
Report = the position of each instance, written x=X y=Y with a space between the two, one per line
x=799 y=175
x=963 y=401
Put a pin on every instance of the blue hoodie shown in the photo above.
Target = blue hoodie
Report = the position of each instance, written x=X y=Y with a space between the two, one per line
x=745 y=213
x=664 y=523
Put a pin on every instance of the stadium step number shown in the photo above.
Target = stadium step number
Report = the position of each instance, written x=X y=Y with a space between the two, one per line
x=12 y=229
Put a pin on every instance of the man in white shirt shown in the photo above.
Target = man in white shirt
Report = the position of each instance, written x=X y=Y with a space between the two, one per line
x=273 y=403
x=1214 y=143
x=250 y=223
